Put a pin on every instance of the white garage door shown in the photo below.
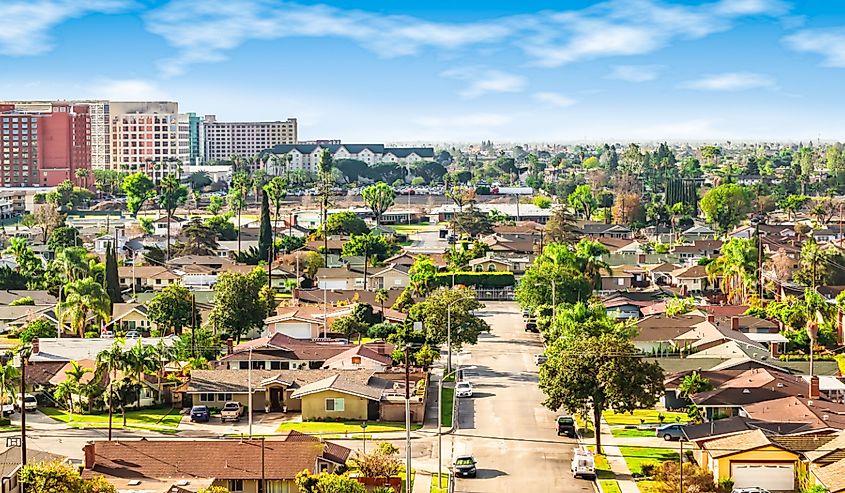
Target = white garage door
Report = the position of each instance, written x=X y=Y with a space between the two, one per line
x=768 y=476
x=297 y=330
x=332 y=284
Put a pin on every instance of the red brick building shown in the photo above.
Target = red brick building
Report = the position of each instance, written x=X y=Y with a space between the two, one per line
x=44 y=148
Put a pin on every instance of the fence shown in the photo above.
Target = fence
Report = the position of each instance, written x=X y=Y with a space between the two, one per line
x=495 y=294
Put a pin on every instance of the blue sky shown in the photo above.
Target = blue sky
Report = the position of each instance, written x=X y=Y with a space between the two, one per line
x=533 y=70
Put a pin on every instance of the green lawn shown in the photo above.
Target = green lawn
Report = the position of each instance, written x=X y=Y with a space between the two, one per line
x=448 y=403
x=647 y=486
x=412 y=228
x=632 y=432
x=441 y=486
x=603 y=470
x=643 y=416
x=609 y=486
x=585 y=428
x=635 y=457
x=344 y=427
x=164 y=420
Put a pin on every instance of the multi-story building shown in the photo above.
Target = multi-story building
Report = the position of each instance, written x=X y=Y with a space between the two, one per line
x=44 y=146
x=145 y=137
x=223 y=140
x=306 y=156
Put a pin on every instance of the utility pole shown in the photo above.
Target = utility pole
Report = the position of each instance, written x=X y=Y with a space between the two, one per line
x=193 y=325
x=681 y=463
x=110 y=391
x=408 y=419
x=759 y=261
x=23 y=409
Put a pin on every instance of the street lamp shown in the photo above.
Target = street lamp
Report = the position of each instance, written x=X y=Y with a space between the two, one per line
x=249 y=402
x=440 y=422
x=364 y=435
x=449 y=331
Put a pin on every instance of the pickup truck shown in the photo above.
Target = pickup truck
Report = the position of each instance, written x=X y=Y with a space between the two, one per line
x=28 y=400
x=231 y=411
x=8 y=409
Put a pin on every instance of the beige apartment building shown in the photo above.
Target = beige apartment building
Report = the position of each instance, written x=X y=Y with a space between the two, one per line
x=223 y=140
x=145 y=137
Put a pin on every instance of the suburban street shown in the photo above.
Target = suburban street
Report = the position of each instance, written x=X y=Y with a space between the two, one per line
x=504 y=425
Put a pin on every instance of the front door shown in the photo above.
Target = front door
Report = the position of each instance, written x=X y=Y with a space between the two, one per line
x=373 y=413
x=276 y=399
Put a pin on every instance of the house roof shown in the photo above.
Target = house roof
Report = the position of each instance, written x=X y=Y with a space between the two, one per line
x=333 y=452
x=146 y=272
x=362 y=351
x=661 y=328
x=39 y=297
x=237 y=381
x=736 y=424
x=338 y=273
x=819 y=415
x=833 y=450
x=221 y=459
x=665 y=267
x=10 y=459
x=752 y=386
x=832 y=476
x=357 y=382
x=740 y=442
x=694 y=272
x=67 y=348
x=61 y=375
x=333 y=296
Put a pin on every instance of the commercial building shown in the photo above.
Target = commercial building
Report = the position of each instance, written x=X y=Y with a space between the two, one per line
x=306 y=156
x=145 y=137
x=225 y=139
x=44 y=146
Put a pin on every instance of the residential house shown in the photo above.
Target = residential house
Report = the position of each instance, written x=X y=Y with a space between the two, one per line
x=40 y=298
x=143 y=277
x=601 y=230
x=751 y=459
x=333 y=245
x=630 y=304
x=159 y=225
x=391 y=276
x=345 y=296
x=621 y=246
x=623 y=277
x=661 y=274
x=824 y=235
x=691 y=254
x=359 y=356
x=130 y=316
x=501 y=244
x=691 y=280
x=229 y=248
x=339 y=278
x=702 y=232
x=242 y=466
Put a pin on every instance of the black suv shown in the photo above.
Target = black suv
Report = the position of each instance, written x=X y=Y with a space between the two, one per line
x=566 y=426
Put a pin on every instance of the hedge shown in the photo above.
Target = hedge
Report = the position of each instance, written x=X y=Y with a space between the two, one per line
x=476 y=279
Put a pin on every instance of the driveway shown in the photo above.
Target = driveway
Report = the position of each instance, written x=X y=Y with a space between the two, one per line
x=504 y=424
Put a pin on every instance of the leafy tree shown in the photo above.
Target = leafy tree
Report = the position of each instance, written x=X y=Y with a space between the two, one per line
x=598 y=373
x=404 y=301
x=172 y=309
x=351 y=169
x=558 y=275
x=215 y=203
x=793 y=203
x=583 y=201
x=23 y=301
x=199 y=179
x=138 y=188
x=472 y=222
x=433 y=312
x=60 y=477
x=214 y=489
x=112 y=277
x=85 y=297
x=64 y=236
x=37 y=328
x=29 y=265
x=200 y=343
x=422 y=274
x=9 y=380
x=542 y=201
x=327 y=483
x=667 y=477
x=288 y=244
x=239 y=306
x=726 y=205
x=379 y=198
x=344 y=223
x=819 y=266
x=47 y=218
x=382 y=330
x=171 y=194
x=349 y=326
x=679 y=306
x=369 y=245
x=222 y=227
x=265 y=231
x=198 y=238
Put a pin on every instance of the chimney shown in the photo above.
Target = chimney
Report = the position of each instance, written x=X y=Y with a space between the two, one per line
x=735 y=323
x=36 y=346
x=88 y=450
x=814 y=388
x=711 y=318
x=229 y=345
x=774 y=349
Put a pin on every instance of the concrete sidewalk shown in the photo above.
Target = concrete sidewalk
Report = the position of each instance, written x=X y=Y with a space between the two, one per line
x=617 y=463
x=422 y=482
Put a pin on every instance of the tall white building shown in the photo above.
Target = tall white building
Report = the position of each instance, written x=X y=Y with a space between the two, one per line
x=306 y=156
x=223 y=140
x=145 y=136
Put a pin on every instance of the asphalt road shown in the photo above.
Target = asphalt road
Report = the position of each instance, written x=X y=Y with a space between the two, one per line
x=504 y=425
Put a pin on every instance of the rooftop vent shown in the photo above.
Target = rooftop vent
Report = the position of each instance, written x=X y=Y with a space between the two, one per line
x=780 y=384
x=133 y=482
x=825 y=417
x=746 y=391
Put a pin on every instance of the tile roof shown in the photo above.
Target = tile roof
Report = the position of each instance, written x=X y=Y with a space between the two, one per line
x=694 y=272
x=10 y=459
x=355 y=382
x=360 y=350
x=740 y=442
x=334 y=452
x=804 y=443
x=237 y=381
x=832 y=476
x=664 y=328
x=347 y=295
x=221 y=459
x=836 y=446
x=40 y=297
x=819 y=415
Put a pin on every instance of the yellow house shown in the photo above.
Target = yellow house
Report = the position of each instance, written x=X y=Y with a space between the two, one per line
x=490 y=264
x=342 y=396
x=130 y=316
x=751 y=459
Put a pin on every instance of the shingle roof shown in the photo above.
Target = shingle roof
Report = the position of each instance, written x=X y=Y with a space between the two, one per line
x=359 y=383
x=732 y=444
x=237 y=381
x=832 y=476
x=359 y=350
x=10 y=459
x=835 y=447
x=221 y=459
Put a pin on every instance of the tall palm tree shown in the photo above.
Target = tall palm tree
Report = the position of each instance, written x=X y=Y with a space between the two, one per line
x=237 y=197
x=83 y=175
x=381 y=298
x=162 y=354
x=276 y=190
x=141 y=359
x=109 y=362
x=84 y=297
x=171 y=194
x=736 y=267
x=75 y=374
x=692 y=384
x=588 y=256
x=73 y=263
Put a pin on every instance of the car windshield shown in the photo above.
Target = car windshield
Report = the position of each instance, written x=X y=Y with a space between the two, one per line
x=198 y=409
x=29 y=399
x=566 y=421
x=231 y=406
x=463 y=384
x=464 y=461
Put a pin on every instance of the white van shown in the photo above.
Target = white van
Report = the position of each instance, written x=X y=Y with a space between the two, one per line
x=583 y=463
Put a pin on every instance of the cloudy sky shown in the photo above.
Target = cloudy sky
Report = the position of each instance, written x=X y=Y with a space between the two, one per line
x=533 y=70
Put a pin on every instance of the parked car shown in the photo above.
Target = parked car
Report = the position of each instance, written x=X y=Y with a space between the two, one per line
x=200 y=414
x=107 y=334
x=463 y=389
x=531 y=325
x=583 y=464
x=671 y=432
x=29 y=401
x=8 y=410
x=539 y=359
x=526 y=313
x=466 y=466
x=566 y=426
x=133 y=334
x=232 y=411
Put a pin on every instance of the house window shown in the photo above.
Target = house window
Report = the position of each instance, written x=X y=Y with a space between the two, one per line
x=336 y=405
x=243 y=365
x=620 y=282
x=275 y=365
x=224 y=397
x=206 y=397
x=491 y=268
x=236 y=485
x=479 y=268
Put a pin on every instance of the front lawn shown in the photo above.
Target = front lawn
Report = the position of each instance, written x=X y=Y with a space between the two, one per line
x=635 y=457
x=408 y=229
x=603 y=470
x=441 y=486
x=644 y=416
x=448 y=403
x=164 y=420
x=631 y=432
x=343 y=427
x=609 y=486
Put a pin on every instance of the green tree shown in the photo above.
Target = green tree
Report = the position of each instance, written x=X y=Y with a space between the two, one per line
x=199 y=238
x=793 y=203
x=172 y=309
x=736 y=267
x=542 y=201
x=343 y=223
x=215 y=203
x=64 y=236
x=222 y=227
x=381 y=298
x=85 y=297
x=239 y=306
x=276 y=191
x=139 y=360
x=171 y=194
x=324 y=174
x=237 y=198
x=596 y=373
x=726 y=205
x=422 y=274
x=349 y=326
x=37 y=328
x=9 y=381
x=199 y=179
x=435 y=315
x=379 y=198
x=692 y=384
x=369 y=246
x=404 y=301
x=556 y=275
x=265 y=230
x=583 y=200
x=327 y=483
x=60 y=477
x=138 y=188
x=112 y=277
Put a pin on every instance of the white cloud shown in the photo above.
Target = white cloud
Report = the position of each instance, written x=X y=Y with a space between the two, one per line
x=206 y=31
x=829 y=43
x=127 y=90
x=483 y=80
x=27 y=23
x=731 y=81
x=634 y=73
x=554 y=99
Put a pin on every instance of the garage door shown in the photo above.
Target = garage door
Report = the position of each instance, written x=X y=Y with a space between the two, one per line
x=768 y=476
x=297 y=330
x=332 y=284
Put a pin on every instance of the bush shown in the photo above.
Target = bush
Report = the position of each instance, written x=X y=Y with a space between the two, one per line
x=475 y=279
x=647 y=469
x=4 y=421
x=92 y=334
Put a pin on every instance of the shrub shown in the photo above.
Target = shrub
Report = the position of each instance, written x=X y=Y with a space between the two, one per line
x=4 y=421
x=92 y=334
x=476 y=279
x=648 y=469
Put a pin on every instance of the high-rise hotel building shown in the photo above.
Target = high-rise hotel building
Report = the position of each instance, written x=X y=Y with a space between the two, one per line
x=222 y=140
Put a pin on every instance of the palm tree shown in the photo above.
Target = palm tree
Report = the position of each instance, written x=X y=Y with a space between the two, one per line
x=83 y=175
x=82 y=297
x=162 y=354
x=171 y=194
x=276 y=190
x=736 y=268
x=73 y=263
x=109 y=362
x=64 y=393
x=237 y=197
x=692 y=384
x=75 y=374
x=8 y=381
x=588 y=260
x=140 y=360
x=381 y=298
x=324 y=172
